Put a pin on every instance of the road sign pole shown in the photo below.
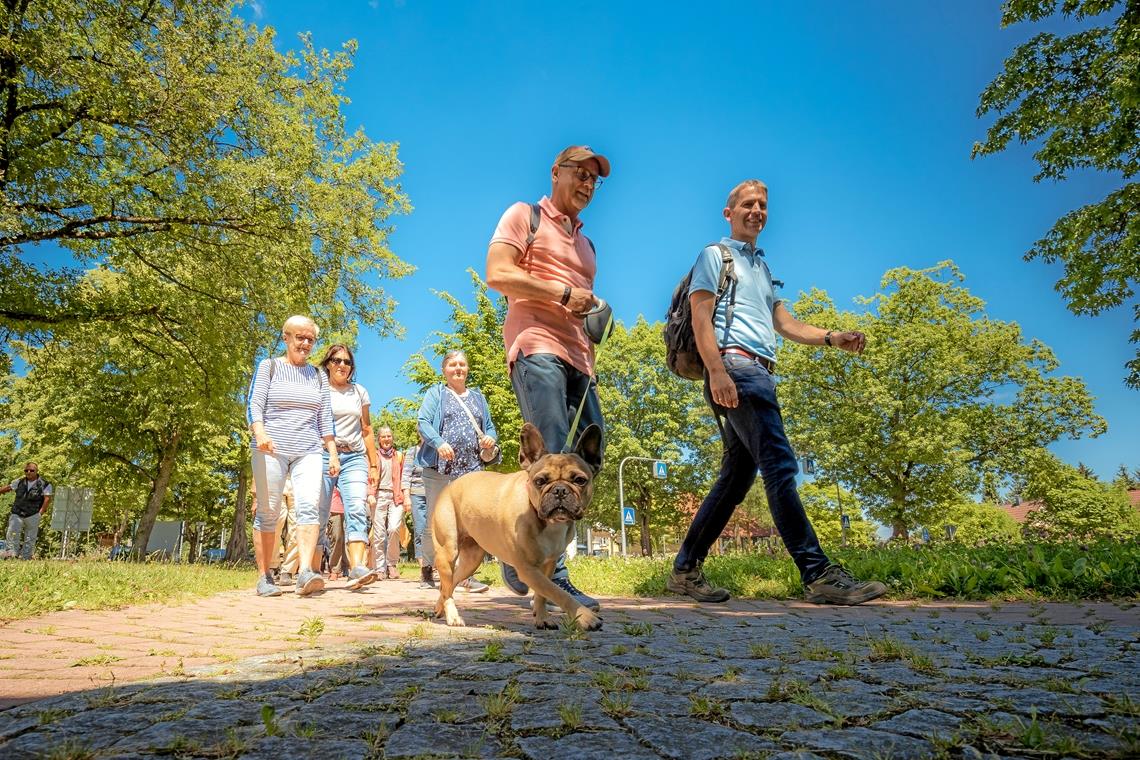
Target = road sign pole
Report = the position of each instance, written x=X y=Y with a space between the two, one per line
x=621 y=506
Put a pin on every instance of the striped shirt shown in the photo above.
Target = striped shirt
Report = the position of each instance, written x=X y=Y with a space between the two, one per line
x=294 y=405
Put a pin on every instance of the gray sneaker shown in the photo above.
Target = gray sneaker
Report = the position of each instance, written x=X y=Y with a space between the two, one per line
x=580 y=597
x=285 y=579
x=837 y=586
x=511 y=578
x=473 y=586
x=694 y=583
x=266 y=587
x=309 y=583
x=361 y=576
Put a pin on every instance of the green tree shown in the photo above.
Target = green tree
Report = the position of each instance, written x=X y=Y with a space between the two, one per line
x=823 y=507
x=1077 y=98
x=479 y=333
x=942 y=395
x=1126 y=480
x=652 y=413
x=975 y=524
x=1075 y=506
x=171 y=138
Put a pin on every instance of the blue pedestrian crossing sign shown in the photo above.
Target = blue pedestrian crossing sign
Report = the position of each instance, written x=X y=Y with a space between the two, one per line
x=627 y=516
x=660 y=470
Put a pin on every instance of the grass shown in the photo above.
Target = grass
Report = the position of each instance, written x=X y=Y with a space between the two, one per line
x=35 y=587
x=1030 y=572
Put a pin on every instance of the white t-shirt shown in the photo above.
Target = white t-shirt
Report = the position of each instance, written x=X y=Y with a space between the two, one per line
x=346 y=409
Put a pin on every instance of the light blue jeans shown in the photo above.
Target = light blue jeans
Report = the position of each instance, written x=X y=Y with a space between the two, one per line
x=30 y=527
x=419 y=521
x=269 y=472
x=353 y=484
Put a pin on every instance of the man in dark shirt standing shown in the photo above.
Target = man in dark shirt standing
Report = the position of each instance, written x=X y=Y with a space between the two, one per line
x=33 y=496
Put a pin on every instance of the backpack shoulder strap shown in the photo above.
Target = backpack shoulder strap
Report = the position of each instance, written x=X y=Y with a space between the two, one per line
x=726 y=285
x=535 y=220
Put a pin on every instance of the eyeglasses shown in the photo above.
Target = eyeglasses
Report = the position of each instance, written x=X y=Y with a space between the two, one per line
x=340 y=361
x=583 y=175
x=33 y=471
x=304 y=338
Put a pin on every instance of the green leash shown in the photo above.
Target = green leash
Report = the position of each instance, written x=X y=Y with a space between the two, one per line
x=593 y=382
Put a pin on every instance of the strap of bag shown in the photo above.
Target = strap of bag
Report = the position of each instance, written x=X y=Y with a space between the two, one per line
x=536 y=219
x=727 y=272
x=466 y=409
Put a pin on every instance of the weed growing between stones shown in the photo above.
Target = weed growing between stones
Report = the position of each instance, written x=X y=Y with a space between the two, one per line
x=570 y=713
x=499 y=706
x=637 y=629
x=269 y=720
x=616 y=705
x=706 y=708
x=72 y=749
x=760 y=650
x=493 y=652
x=619 y=649
x=49 y=716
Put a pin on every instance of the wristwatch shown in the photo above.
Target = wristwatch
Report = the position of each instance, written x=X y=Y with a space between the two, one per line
x=827 y=338
x=565 y=296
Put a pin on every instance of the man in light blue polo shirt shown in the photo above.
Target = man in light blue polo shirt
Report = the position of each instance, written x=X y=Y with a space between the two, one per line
x=736 y=338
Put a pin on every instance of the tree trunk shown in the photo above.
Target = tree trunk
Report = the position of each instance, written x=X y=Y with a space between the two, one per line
x=194 y=538
x=238 y=544
x=646 y=543
x=157 y=495
x=900 y=532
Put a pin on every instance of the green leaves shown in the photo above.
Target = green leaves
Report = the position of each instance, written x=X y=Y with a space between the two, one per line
x=1077 y=98
x=941 y=395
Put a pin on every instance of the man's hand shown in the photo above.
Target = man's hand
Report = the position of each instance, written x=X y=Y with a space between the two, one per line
x=853 y=341
x=723 y=389
x=581 y=301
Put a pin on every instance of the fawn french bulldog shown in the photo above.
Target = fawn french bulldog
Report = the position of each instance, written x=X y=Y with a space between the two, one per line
x=524 y=518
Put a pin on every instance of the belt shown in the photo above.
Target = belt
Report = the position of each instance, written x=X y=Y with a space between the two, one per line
x=344 y=449
x=763 y=361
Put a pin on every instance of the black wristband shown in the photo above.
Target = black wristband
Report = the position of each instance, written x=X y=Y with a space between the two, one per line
x=827 y=338
x=565 y=296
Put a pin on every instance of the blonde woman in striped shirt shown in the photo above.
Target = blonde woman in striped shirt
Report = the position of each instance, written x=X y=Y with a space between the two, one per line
x=290 y=417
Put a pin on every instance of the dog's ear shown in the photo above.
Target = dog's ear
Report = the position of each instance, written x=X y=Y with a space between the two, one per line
x=531 y=447
x=590 y=447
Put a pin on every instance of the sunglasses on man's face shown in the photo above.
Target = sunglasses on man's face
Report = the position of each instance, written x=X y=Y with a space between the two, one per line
x=31 y=471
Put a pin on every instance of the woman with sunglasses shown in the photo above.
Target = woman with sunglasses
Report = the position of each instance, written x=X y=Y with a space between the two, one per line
x=290 y=417
x=359 y=463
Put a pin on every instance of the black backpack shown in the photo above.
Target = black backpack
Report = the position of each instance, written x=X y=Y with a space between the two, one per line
x=680 y=344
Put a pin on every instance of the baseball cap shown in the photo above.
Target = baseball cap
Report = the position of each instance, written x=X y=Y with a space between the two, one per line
x=581 y=153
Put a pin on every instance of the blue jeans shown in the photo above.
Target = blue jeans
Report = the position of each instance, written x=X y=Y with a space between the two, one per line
x=418 y=504
x=754 y=438
x=549 y=391
x=352 y=480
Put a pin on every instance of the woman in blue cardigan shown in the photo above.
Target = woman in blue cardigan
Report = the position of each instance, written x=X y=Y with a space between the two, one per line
x=459 y=437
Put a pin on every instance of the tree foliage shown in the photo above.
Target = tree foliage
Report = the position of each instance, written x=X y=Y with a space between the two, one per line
x=195 y=187
x=173 y=139
x=1077 y=98
x=975 y=524
x=1076 y=507
x=825 y=507
x=941 y=395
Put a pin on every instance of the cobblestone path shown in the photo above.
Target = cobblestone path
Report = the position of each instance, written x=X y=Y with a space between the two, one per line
x=369 y=675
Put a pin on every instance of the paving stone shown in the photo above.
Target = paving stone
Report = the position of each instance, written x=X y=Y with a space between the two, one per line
x=796 y=755
x=585 y=746
x=657 y=703
x=434 y=739
x=340 y=725
x=861 y=743
x=491 y=671
x=778 y=715
x=168 y=734
x=922 y=723
x=557 y=691
x=854 y=704
x=277 y=747
x=695 y=739
x=446 y=708
x=537 y=716
x=1049 y=702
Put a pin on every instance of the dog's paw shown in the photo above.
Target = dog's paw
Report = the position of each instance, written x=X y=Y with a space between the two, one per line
x=452 y=615
x=545 y=624
x=587 y=620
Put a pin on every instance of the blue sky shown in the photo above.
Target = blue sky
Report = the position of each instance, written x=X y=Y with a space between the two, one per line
x=859 y=116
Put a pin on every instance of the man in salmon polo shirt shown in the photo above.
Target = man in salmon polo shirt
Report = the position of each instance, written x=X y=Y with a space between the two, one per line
x=540 y=260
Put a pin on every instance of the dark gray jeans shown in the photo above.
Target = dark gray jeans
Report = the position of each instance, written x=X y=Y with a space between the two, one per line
x=549 y=391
